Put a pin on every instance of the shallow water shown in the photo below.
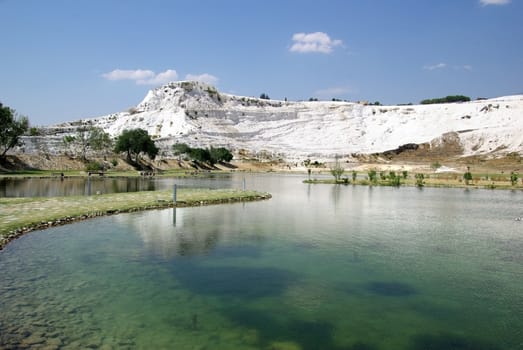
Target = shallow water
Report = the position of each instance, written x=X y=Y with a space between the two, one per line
x=315 y=267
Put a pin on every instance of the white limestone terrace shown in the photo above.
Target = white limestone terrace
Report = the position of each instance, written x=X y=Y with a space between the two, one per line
x=197 y=114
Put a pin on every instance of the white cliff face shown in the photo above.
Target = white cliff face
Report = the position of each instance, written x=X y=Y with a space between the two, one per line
x=197 y=114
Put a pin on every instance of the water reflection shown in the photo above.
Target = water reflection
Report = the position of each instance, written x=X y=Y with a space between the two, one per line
x=186 y=231
x=71 y=186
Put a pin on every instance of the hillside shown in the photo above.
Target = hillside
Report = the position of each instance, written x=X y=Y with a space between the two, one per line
x=199 y=115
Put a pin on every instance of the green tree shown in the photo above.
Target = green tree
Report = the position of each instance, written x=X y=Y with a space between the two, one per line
x=88 y=138
x=220 y=154
x=337 y=170
x=134 y=142
x=354 y=175
x=513 y=178
x=12 y=126
x=99 y=140
x=264 y=96
x=200 y=155
x=468 y=177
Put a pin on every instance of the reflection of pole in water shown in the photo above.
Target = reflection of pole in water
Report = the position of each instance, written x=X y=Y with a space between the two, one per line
x=174 y=217
x=244 y=184
x=89 y=186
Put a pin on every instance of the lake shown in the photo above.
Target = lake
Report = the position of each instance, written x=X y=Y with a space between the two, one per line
x=315 y=267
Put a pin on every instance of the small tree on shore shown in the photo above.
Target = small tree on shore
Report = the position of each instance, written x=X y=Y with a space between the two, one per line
x=372 y=176
x=420 y=180
x=467 y=177
x=337 y=170
x=513 y=178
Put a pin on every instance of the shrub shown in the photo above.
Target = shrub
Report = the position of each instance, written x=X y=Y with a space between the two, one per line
x=34 y=131
x=420 y=180
x=436 y=165
x=393 y=179
x=94 y=166
x=372 y=176
x=467 y=177
x=337 y=170
x=405 y=173
x=513 y=178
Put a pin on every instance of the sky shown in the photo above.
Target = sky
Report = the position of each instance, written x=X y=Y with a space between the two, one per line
x=65 y=60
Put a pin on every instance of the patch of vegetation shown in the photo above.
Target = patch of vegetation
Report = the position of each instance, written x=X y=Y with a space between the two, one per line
x=447 y=99
x=94 y=166
x=436 y=165
x=34 y=131
x=205 y=155
x=264 y=96
x=372 y=176
x=513 y=178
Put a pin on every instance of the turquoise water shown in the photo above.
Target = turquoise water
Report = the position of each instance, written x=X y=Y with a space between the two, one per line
x=315 y=267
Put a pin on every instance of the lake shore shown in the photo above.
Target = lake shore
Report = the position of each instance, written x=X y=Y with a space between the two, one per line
x=19 y=216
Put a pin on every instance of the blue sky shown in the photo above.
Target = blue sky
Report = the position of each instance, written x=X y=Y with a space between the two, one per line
x=65 y=60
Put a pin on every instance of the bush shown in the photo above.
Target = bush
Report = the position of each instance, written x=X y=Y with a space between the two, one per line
x=94 y=166
x=467 y=177
x=34 y=131
x=372 y=176
x=420 y=180
x=513 y=178
x=394 y=180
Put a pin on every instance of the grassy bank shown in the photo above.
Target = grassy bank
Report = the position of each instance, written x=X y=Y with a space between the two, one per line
x=444 y=182
x=21 y=215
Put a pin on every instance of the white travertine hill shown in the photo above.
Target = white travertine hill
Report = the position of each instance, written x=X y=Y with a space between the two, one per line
x=197 y=114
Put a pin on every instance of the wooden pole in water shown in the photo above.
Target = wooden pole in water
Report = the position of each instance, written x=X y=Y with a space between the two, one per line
x=174 y=194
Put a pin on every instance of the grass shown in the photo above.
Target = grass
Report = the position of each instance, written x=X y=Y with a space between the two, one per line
x=20 y=215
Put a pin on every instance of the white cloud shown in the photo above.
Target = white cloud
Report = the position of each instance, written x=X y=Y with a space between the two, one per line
x=467 y=67
x=160 y=78
x=204 y=78
x=121 y=74
x=314 y=42
x=333 y=92
x=435 y=66
x=142 y=76
x=494 y=2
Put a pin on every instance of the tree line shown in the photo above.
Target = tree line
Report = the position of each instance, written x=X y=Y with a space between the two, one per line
x=132 y=142
x=447 y=99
